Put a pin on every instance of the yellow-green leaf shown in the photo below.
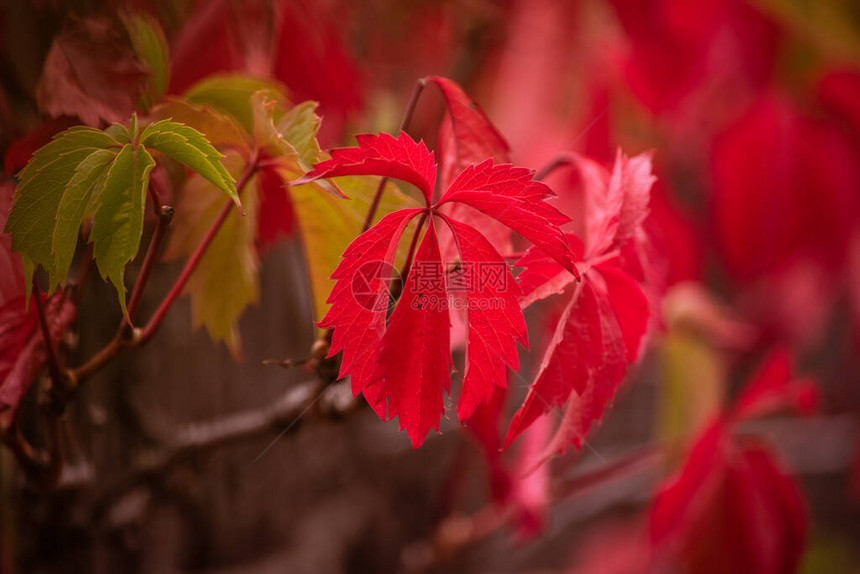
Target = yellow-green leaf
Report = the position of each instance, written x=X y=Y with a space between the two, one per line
x=86 y=183
x=225 y=281
x=231 y=94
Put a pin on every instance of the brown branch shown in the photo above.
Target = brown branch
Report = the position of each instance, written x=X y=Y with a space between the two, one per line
x=53 y=363
x=284 y=415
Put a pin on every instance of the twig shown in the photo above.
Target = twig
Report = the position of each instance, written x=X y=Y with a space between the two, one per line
x=333 y=401
x=562 y=159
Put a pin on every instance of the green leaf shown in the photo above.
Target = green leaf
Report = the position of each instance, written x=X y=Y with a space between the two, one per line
x=87 y=182
x=220 y=129
x=225 y=281
x=118 y=222
x=299 y=126
x=150 y=46
x=231 y=94
x=40 y=190
x=190 y=148
x=119 y=132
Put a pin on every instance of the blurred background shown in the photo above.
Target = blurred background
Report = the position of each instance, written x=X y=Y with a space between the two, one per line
x=752 y=111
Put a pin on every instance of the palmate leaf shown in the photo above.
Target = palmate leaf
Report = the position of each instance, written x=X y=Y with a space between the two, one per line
x=85 y=173
x=42 y=184
x=190 y=148
x=401 y=364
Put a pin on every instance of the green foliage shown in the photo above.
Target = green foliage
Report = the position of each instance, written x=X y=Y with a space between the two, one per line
x=83 y=173
x=190 y=148
x=118 y=222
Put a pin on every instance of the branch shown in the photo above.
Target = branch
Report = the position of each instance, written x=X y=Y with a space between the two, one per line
x=53 y=363
x=299 y=403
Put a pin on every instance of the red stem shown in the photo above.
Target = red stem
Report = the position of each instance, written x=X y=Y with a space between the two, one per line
x=404 y=124
x=194 y=260
x=165 y=215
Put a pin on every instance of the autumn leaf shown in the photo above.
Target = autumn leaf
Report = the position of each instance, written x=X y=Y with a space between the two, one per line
x=606 y=316
x=401 y=366
x=22 y=347
x=230 y=261
x=710 y=516
x=91 y=72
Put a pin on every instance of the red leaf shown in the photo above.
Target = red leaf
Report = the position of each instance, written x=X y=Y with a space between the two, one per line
x=495 y=321
x=360 y=301
x=314 y=61
x=91 y=72
x=509 y=195
x=785 y=184
x=195 y=56
x=604 y=323
x=468 y=136
x=22 y=347
x=730 y=509
x=381 y=359
x=275 y=213
x=400 y=158
x=415 y=354
x=774 y=388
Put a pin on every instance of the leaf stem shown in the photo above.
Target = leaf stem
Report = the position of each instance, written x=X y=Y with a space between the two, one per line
x=404 y=124
x=165 y=216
